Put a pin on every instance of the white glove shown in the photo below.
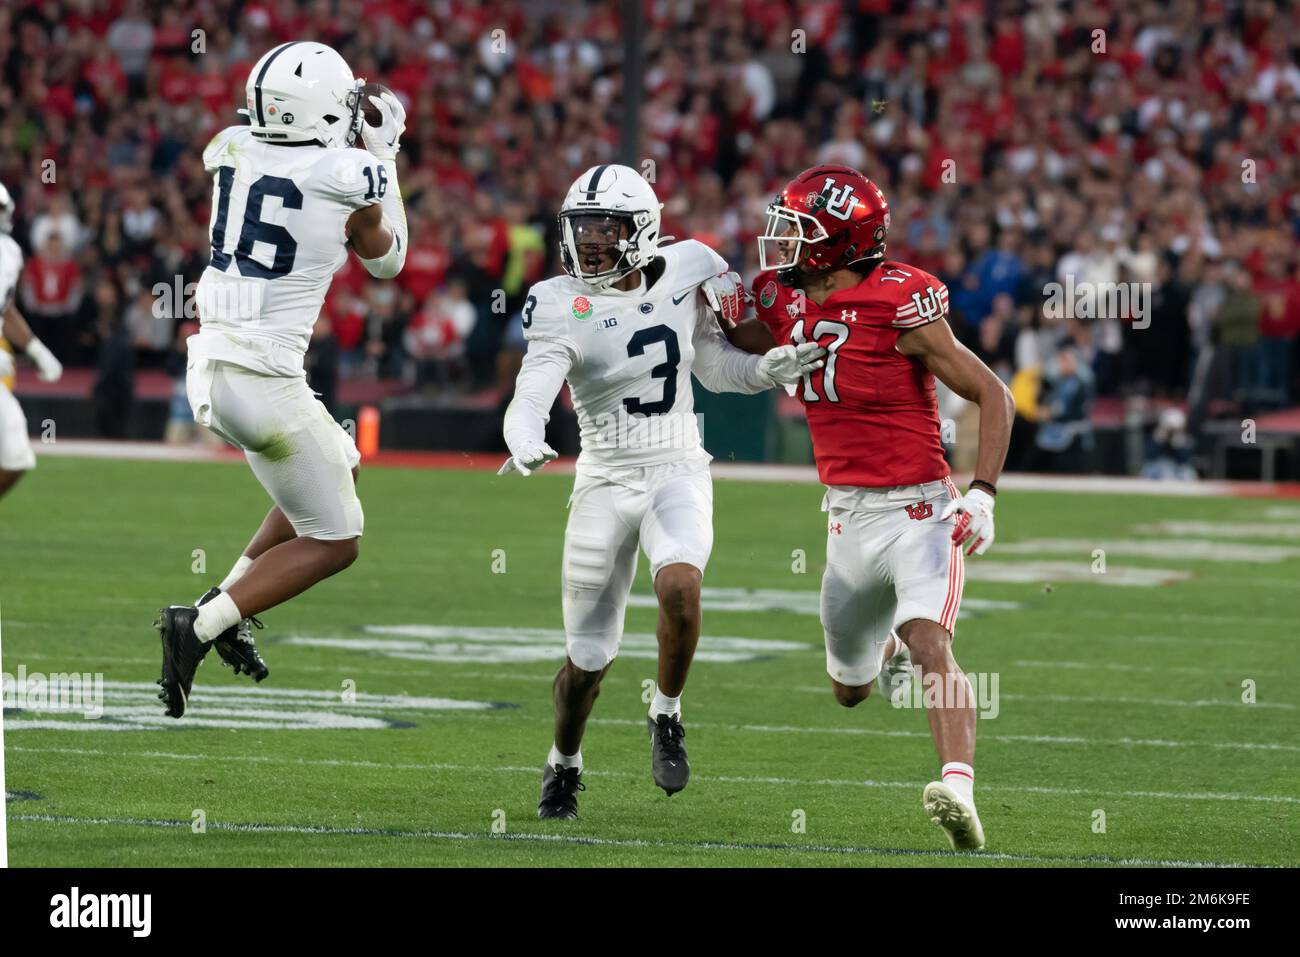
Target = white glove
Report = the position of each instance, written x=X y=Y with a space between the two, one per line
x=786 y=365
x=528 y=459
x=974 y=512
x=49 y=369
x=6 y=364
x=382 y=140
x=726 y=294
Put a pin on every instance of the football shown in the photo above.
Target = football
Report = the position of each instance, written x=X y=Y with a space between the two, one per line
x=368 y=110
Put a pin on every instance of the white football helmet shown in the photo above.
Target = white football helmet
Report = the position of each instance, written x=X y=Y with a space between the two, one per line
x=6 y=210
x=609 y=212
x=303 y=91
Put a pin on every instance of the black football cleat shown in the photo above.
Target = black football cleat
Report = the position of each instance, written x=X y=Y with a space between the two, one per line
x=235 y=645
x=668 y=752
x=183 y=652
x=560 y=787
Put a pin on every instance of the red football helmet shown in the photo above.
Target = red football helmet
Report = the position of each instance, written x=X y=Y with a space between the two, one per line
x=827 y=217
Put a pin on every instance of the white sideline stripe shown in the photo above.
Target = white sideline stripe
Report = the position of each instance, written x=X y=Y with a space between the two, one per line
x=724 y=779
x=131 y=451
x=579 y=840
x=1030 y=482
x=745 y=471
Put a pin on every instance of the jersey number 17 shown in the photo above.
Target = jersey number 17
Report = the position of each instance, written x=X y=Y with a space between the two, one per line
x=822 y=327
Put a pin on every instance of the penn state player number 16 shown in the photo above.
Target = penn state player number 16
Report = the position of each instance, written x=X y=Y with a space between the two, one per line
x=626 y=326
x=290 y=195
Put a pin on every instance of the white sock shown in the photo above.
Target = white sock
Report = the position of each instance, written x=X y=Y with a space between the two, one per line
x=215 y=617
x=564 y=760
x=961 y=778
x=236 y=573
x=662 y=704
x=898 y=646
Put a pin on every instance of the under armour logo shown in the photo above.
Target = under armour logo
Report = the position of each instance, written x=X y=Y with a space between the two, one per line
x=920 y=510
x=928 y=307
x=840 y=200
x=835 y=528
x=849 y=315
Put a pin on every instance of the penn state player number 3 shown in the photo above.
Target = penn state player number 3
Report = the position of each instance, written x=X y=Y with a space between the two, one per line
x=666 y=370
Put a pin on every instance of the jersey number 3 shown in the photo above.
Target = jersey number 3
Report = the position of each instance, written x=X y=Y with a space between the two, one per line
x=254 y=230
x=666 y=370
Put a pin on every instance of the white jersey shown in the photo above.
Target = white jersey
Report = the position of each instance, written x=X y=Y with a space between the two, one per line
x=628 y=358
x=278 y=219
x=11 y=267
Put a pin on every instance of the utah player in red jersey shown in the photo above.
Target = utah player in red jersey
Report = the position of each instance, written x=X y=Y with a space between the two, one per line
x=897 y=524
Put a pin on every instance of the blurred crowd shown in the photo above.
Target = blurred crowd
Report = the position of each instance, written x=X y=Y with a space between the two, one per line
x=1019 y=144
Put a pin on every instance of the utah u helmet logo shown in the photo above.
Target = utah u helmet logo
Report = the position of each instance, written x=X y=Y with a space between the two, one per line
x=839 y=199
x=919 y=511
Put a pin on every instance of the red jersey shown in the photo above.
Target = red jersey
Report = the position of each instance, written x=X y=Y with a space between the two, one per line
x=871 y=410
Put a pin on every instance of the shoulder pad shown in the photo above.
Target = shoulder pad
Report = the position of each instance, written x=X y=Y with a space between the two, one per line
x=226 y=142
x=552 y=308
x=689 y=263
x=352 y=177
x=917 y=296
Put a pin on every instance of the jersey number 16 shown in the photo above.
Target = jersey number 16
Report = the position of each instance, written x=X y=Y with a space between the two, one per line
x=254 y=230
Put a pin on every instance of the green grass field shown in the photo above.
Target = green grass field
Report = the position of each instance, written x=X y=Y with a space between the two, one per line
x=1122 y=700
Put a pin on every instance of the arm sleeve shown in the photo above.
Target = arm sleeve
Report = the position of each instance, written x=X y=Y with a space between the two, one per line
x=719 y=365
x=391 y=263
x=545 y=367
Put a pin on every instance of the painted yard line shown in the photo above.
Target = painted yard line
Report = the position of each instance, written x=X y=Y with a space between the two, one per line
x=1090 y=699
x=361 y=699
x=1287 y=530
x=578 y=840
x=1011 y=738
x=722 y=779
x=1153 y=702
x=1117 y=666
x=1244 y=620
x=1065 y=637
x=348 y=671
x=1038 y=572
x=1169 y=549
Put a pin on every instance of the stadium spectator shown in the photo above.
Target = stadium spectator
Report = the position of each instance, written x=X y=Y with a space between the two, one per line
x=1013 y=153
x=52 y=292
x=1065 y=433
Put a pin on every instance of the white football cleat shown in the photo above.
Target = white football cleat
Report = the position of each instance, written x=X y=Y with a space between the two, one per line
x=955 y=814
x=895 y=676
